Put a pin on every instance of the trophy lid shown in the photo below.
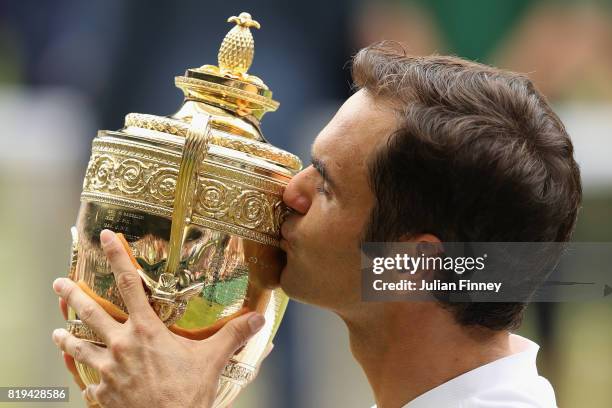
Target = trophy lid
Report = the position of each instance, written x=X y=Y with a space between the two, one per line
x=227 y=85
x=236 y=100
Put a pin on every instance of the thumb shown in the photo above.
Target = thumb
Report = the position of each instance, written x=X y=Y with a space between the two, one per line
x=236 y=332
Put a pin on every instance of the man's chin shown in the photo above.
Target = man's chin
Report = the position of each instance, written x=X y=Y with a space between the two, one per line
x=294 y=282
x=283 y=278
x=294 y=288
x=287 y=282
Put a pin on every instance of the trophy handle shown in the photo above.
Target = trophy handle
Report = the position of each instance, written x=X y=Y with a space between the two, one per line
x=74 y=253
x=166 y=299
x=194 y=153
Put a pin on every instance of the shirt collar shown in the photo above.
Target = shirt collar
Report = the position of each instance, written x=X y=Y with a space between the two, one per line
x=515 y=367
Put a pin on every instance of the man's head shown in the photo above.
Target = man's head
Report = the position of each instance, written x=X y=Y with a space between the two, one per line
x=428 y=145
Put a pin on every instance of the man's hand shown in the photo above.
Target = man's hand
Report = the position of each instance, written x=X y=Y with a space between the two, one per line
x=71 y=366
x=144 y=363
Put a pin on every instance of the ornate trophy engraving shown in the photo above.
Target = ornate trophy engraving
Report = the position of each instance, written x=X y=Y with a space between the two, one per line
x=198 y=197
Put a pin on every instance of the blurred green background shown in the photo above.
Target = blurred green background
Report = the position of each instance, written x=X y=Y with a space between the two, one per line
x=68 y=68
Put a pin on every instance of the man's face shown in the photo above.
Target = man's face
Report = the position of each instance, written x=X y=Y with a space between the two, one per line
x=332 y=200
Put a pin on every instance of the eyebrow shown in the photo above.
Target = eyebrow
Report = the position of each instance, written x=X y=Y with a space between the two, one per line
x=319 y=165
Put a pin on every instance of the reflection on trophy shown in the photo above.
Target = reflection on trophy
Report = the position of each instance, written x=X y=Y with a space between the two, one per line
x=198 y=198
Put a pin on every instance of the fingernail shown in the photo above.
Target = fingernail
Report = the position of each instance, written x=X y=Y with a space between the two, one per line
x=106 y=237
x=56 y=335
x=59 y=284
x=255 y=322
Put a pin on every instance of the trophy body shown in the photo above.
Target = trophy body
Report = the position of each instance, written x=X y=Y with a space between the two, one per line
x=198 y=197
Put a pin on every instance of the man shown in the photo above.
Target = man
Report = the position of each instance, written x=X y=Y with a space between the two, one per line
x=429 y=149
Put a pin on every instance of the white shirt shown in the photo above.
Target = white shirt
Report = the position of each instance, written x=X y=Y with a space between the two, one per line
x=510 y=382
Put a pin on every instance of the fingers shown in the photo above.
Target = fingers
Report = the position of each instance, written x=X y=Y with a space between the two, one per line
x=81 y=350
x=236 y=332
x=63 y=308
x=71 y=366
x=128 y=280
x=88 y=310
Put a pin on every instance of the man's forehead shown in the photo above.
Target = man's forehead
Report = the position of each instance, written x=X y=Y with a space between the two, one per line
x=359 y=125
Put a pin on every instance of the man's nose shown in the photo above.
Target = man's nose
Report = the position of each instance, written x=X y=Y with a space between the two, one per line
x=298 y=193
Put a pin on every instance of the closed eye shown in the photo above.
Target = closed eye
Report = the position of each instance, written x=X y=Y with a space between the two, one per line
x=328 y=183
x=321 y=188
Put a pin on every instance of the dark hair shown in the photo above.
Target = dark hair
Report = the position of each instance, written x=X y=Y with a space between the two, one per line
x=479 y=156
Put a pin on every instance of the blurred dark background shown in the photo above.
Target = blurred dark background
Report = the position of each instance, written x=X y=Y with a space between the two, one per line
x=68 y=68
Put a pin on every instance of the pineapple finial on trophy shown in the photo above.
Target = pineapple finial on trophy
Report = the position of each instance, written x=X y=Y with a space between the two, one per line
x=236 y=52
x=227 y=84
x=238 y=47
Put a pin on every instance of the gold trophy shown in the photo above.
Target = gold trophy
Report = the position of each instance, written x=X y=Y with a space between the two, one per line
x=198 y=197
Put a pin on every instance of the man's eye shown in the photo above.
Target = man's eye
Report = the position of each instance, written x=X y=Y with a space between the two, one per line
x=322 y=190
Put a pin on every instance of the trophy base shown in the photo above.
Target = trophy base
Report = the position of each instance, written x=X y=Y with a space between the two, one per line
x=226 y=393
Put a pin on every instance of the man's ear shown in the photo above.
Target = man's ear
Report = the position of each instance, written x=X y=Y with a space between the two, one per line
x=427 y=244
x=425 y=237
